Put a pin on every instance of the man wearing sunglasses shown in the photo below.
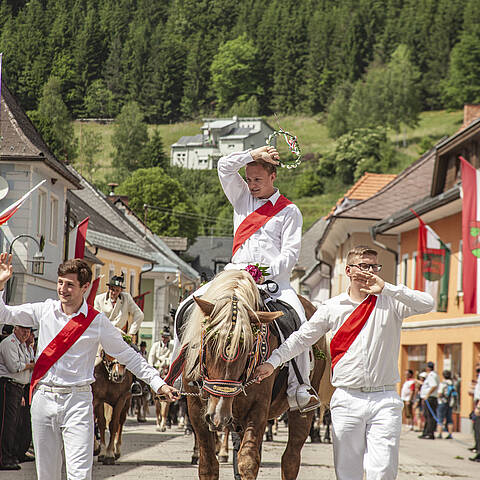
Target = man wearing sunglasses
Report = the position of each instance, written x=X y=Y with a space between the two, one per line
x=366 y=322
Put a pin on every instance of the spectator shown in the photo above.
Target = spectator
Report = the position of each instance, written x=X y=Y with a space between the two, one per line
x=429 y=399
x=419 y=419
x=6 y=331
x=161 y=351
x=15 y=373
x=476 y=418
x=408 y=397
x=143 y=350
x=447 y=397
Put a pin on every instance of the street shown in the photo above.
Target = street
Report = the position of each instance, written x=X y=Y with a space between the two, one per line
x=148 y=454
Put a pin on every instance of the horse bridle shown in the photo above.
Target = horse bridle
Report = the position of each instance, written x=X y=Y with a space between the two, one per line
x=259 y=353
x=109 y=364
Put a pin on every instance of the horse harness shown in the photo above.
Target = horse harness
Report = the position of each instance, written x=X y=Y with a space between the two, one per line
x=109 y=365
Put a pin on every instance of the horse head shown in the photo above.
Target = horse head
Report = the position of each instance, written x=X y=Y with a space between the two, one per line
x=224 y=336
x=116 y=371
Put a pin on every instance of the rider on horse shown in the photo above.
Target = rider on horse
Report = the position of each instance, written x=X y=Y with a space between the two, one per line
x=268 y=231
x=119 y=307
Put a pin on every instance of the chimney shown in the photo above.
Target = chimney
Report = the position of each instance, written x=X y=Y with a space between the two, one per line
x=471 y=112
x=113 y=197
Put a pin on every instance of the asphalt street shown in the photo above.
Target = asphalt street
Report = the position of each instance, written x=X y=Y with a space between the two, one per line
x=148 y=454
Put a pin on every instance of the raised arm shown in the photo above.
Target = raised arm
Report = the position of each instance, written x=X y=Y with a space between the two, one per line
x=228 y=167
x=137 y=316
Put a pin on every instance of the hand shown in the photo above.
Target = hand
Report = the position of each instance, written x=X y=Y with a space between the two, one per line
x=267 y=154
x=30 y=366
x=263 y=371
x=6 y=270
x=373 y=284
x=171 y=393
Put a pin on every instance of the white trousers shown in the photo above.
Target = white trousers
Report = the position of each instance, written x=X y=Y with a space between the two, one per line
x=288 y=295
x=366 y=434
x=63 y=422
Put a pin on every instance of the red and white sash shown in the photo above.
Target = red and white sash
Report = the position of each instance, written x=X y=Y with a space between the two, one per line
x=256 y=220
x=350 y=329
x=67 y=336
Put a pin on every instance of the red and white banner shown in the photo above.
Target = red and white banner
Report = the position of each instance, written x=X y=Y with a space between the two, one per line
x=92 y=293
x=12 y=209
x=76 y=240
x=470 y=237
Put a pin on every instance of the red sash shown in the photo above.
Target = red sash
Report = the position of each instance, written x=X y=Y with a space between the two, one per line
x=256 y=220
x=67 y=336
x=350 y=329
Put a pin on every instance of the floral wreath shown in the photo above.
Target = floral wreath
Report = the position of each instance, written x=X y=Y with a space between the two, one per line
x=293 y=146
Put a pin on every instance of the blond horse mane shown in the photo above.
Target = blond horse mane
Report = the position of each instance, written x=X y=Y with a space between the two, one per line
x=218 y=326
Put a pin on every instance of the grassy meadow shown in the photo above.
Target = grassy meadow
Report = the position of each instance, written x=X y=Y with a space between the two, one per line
x=313 y=137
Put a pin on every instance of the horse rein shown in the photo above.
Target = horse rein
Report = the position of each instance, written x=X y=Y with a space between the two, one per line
x=109 y=364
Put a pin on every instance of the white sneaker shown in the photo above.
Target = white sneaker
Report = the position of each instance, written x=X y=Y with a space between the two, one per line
x=304 y=400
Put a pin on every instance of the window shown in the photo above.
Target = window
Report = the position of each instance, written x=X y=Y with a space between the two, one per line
x=98 y=270
x=417 y=357
x=405 y=270
x=414 y=265
x=41 y=212
x=111 y=272
x=132 y=283
x=53 y=219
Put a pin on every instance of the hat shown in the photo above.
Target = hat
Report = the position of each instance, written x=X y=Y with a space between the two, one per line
x=430 y=365
x=423 y=375
x=166 y=331
x=117 y=281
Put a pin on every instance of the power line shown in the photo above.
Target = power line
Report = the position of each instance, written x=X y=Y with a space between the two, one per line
x=184 y=214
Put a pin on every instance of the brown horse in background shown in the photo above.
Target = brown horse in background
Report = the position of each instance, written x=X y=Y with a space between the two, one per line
x=221 y=334
x=112 y=386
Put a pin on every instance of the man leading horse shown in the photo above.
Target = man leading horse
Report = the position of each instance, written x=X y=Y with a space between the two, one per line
x=268 y=232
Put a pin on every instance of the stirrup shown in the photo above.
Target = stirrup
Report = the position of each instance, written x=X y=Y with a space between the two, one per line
x=313 y=403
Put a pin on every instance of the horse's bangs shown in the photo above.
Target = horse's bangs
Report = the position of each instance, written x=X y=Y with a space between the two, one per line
x=219 y=332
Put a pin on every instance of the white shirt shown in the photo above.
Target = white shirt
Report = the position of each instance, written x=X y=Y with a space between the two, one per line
x=277 y=243
x=372 y=359
x=14 y=356
x=407 y=388
x=76 y=366
x=160 y=354
x=431 y=380
x=119 y=312
x=476 y=392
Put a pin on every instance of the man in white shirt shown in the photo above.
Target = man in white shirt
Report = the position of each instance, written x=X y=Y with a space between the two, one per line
x=161 y=351
x=275 y=244
x=366 y=322
x=69 y=333
x=407 y=395
x=15 y=370
x=428 y=394
x=120 y=307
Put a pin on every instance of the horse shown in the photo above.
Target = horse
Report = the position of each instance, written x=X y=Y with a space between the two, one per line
x=222 y=341
x=112 y=386
x=139 y=403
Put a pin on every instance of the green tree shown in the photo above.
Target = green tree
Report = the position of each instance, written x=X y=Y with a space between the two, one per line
x=233 y=69
x=90 y=145
x=359 y=151
x=154 y=154
x=98 y=101
x=129 y=140
x=53 y=121
x=338 y=111
x=175 y=213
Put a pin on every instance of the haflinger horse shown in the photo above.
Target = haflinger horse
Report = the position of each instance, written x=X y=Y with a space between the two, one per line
x=112 y=386
x=222 y=341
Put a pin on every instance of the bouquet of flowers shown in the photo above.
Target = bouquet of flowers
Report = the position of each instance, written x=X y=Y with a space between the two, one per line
x=257 y=272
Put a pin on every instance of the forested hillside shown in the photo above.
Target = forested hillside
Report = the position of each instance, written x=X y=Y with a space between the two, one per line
x=183 y=58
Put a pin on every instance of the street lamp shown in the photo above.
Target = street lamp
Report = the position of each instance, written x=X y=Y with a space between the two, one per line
x=38 y=262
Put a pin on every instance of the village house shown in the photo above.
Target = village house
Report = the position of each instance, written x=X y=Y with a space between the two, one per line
x=25 y=160
x=219 y=137
x=447 y=336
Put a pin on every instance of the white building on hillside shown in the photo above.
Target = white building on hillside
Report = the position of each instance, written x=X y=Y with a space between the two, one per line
x=219 y=137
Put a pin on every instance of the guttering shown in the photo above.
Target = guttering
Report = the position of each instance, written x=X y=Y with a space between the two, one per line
x=373 y=234
x=149 y=269
x=421 y=207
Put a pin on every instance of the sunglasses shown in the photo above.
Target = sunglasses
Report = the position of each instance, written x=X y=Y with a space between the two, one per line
x=375 y=267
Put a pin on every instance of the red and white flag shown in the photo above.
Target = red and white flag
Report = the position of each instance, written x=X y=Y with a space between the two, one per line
x=12 y=209
x=470 y=237
x=432 y=268
x=93 y=291
x=76 y=240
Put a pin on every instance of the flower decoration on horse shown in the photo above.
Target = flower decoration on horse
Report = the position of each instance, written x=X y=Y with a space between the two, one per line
x=257 y=272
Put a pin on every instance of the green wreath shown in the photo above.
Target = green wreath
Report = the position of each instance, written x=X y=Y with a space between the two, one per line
x=293 y=146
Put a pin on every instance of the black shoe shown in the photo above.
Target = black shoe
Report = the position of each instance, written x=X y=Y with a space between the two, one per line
x=427 y=437
x=476 y=458
x=473 y=449
x=10 y=466
x=27 y=458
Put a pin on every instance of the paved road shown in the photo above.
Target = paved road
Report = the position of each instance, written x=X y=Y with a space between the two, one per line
x=151 y=455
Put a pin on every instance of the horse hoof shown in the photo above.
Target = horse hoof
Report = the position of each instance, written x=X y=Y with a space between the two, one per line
x=223 y=459
x=194 y=460
x=108 y=460
x=269 y=438
x=117 y=456
x=100 y=457
x=96 y=451
x=141 y=420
